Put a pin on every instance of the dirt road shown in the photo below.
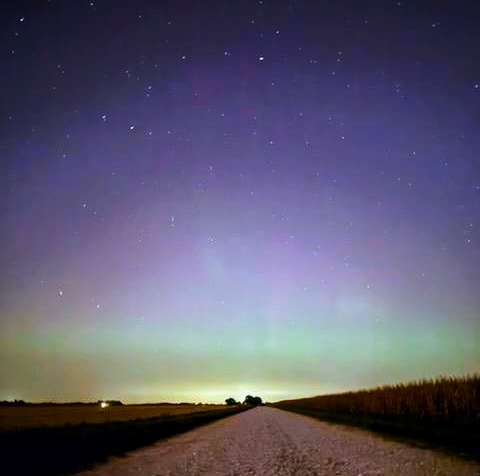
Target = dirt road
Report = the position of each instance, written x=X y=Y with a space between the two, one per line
x=267 y=442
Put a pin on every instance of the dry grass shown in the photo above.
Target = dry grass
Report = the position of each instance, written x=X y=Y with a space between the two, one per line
x=445 y=400
x=58 y=448
x=33 y=416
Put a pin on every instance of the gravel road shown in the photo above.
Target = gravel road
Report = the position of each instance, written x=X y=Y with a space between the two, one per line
x=266 y=441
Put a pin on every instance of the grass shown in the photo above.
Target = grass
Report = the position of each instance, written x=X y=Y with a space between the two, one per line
x=441 y=412
x=50 y=450
x=51 y=415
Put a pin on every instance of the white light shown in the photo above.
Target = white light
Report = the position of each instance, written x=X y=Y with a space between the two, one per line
x=104 y=405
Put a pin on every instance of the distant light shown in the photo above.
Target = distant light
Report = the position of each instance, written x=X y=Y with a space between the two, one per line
x=104 y=405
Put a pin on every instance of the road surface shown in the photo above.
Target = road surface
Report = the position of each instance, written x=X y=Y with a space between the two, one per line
x=270 y=442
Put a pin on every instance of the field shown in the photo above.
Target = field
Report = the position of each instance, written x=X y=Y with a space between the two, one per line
x=444 y=410
x=34 y=416
x=58 y=439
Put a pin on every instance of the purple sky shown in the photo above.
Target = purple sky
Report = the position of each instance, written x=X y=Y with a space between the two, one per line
x=206 y=199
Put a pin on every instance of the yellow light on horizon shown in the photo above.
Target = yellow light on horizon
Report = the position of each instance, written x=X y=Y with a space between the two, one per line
x=104 y=405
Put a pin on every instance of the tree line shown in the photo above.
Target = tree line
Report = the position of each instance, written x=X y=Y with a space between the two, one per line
x=249 y=400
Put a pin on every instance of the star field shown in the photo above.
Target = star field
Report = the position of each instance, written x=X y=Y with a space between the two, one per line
x=207 y=199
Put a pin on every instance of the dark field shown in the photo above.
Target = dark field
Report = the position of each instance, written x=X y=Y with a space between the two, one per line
x=443 y=412
x=52 y=440
x=34 y=416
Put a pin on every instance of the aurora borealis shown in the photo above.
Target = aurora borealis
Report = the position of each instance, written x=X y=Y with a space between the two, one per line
x=207 y=199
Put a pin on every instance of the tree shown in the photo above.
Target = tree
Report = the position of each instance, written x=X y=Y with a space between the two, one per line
x=249 y=400
x=257 y=401
x=231 y=401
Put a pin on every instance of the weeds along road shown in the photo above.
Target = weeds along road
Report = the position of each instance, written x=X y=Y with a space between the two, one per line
x=266 y=441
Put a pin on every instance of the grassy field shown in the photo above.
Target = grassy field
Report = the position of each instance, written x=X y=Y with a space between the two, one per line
x=66 y=438
x=443 y=411
x=33 y=416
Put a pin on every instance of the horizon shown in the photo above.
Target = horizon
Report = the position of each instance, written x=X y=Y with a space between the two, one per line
x=277 y=199
x=241 y=399
x=237 y=397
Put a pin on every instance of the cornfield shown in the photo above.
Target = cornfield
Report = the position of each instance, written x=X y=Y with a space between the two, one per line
x=453 y=401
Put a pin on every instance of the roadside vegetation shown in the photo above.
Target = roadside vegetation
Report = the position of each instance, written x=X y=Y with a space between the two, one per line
x=91 y=433
x=443 y=411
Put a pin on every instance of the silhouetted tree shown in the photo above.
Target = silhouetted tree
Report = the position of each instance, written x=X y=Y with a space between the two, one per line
x=257 y=401
x=13 y=402
x=249 y=400
x=231 y=401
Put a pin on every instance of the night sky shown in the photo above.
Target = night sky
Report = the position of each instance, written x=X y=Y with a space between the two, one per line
x=206 y=199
